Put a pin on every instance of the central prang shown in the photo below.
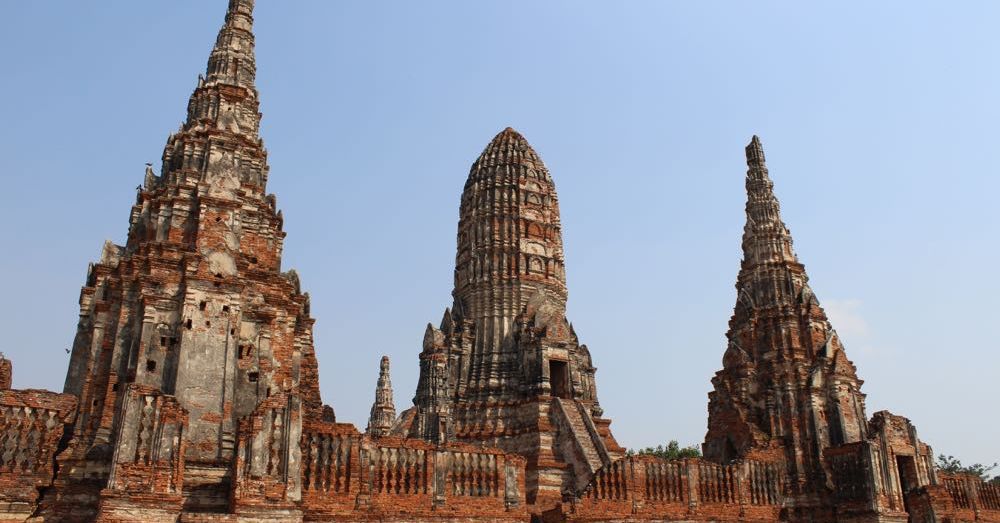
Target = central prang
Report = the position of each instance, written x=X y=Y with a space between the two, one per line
x=505 y=367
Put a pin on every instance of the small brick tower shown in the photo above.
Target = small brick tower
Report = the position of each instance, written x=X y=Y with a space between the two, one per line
x=383 y=412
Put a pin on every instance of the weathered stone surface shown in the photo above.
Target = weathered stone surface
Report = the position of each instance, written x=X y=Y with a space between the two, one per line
x=786 y=380
x=192 y=392
x=505 y=367
x=194 y=311
x=383 y=413
x=787 y=393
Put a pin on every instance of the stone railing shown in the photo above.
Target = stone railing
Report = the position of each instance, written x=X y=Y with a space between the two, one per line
x=717 y=483
x=147 y=464
x=648 y=487
x=973 y=499
x=955 y=497
x=666 y=481
x=268 y=457
x=610 y=482
x=473 y=474
x=31 y=425
x=957 y=487
x=326 y=462
x=148 y=456
x=345 y=474
x=400 y=470
x=989 y=496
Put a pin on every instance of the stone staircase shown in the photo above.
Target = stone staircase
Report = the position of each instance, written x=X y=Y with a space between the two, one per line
x=206 y=491
x=585 y=441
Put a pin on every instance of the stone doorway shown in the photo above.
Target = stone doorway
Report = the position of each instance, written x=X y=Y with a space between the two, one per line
x=559 y=378
x=907 y=469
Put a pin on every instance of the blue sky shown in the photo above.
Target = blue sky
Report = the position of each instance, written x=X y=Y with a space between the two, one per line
x=879 y=120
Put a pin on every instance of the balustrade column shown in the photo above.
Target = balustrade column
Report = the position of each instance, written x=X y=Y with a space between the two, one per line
x=636 y=483
x=693 y=478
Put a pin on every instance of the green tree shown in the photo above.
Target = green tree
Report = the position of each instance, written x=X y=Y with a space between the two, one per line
x=953 y=465
x=672 y=450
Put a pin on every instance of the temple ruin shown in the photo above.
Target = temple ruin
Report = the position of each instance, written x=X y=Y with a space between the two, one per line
x=192 y=392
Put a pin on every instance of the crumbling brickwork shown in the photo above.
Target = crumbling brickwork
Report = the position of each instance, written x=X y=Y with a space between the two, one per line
x=6 y=373
x=195 y=305
x=31 y=426
x=788 y=393
x=193 y=387
x=786 y=379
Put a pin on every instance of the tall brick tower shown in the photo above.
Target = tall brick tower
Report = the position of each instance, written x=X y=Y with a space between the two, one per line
x=786 y=388
x=505 y=368
x=192 y=328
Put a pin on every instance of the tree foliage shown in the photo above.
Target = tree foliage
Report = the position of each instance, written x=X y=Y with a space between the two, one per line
x=672 y=450
x=953 y=465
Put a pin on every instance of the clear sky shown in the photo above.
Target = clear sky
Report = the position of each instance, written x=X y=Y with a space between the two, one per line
x=879 y=120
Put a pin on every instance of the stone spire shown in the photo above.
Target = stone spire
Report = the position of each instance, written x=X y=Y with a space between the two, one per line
x=786 y=382
x=766 y=239
x=196 y=308
x=217 y=152
x=509 y=235
x=510 y=252
x=383 y=412
x=232 y=61
x=219 y=141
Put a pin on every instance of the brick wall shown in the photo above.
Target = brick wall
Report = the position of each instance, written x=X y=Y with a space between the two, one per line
x=346 y=474
x=649 y=488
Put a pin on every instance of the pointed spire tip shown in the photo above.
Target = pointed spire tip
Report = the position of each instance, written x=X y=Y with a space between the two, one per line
x=510 y=131
x=755 y=151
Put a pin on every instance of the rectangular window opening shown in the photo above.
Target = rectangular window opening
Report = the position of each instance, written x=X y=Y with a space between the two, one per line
x=559 y=378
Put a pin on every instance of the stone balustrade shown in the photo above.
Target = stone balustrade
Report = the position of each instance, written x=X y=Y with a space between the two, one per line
x=31 y=425
x=650 y=487
x=344 y=472
x=971 y=499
